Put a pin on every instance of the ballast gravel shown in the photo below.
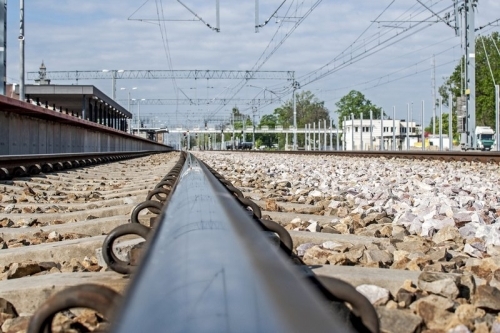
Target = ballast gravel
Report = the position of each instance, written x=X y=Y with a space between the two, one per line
x=439 y=218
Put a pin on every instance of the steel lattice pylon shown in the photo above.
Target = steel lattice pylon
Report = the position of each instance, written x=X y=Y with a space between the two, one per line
x=164 y=74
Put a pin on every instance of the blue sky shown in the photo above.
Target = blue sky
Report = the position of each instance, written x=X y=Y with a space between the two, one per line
x=94 y=35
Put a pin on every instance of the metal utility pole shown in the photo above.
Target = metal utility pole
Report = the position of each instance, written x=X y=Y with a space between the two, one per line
x=497 y=119
x=382 y=130
x=139 y=117
x=217 y=16
x=21 y=52
x=352 y=131
x=113 y=85
x=344 y=134
x=423 y=134
x=253 y=126
x=128 y=109
x=331 y=134
x=469 y=138
x=440 y=123
x=256 y=15
x=408 y=128
x=371 y=130
x=314 y=136
x=433 y=95
x=319 y=135
x=393 y=128
x=295 y=87
x=324 y=134
x=450 y=122
x=337 y=137
x=361 y=132
x=3 y=46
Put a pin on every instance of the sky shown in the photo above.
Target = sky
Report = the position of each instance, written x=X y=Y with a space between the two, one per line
x=383 y=48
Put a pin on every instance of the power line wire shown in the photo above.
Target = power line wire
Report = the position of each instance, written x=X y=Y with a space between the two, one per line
x=394 y=72
x=258 y=64
x=309 y=77
x=401 y=77
x=488 y=60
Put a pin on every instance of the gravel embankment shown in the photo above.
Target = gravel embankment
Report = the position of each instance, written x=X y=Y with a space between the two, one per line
x=53 y=224
x=440 y=220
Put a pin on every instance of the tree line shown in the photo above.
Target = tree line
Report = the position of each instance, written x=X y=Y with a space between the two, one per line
x=312 y=110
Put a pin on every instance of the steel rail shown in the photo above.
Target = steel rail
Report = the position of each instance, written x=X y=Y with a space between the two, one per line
x=24 y=165
x=208 y=268
x=469 y=156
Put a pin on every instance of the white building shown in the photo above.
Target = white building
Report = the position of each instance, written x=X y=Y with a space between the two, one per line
x=357 y=134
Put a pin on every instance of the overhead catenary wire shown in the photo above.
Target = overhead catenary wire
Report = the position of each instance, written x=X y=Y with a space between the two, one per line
x=495 y=44
x=164 y=36
x=488 y=61
x=262 y=60
x=272 y=15
x=407 y=15
x=350 y=49
x=312 y=77
x=394 y=72
x=154 y=20
x=398 y=40
x=398 y=78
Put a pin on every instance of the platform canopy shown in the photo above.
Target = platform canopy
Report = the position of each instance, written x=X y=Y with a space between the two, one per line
x=72 y=98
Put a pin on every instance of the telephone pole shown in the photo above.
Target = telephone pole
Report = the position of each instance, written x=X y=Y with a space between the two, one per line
x=469 y=137
x=3 y=46
x=21 y=52
x=433 y=95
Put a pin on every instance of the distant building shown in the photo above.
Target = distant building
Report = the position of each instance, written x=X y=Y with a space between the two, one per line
x=42 y=76
x=357 y=134
x=81 y=101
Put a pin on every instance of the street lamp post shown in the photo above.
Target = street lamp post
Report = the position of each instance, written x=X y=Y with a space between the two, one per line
x=139 y=112
x=138 y=122
x=128 y=106
x=21 y=52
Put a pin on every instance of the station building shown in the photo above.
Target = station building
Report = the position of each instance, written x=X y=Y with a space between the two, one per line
x=81 y=101
x=388 y=133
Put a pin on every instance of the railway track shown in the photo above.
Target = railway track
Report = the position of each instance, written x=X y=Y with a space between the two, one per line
x=26 y=165
x=343 y=232
x=460 y=156
x=53 y=223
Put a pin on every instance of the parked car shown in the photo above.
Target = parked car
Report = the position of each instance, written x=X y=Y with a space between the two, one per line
x=245 y=145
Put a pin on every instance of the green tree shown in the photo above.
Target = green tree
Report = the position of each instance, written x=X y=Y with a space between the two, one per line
x=455 y=135
x=355 y=102
x=267 y=139
x=237 y=121
x=487 y=49
x=309 y=110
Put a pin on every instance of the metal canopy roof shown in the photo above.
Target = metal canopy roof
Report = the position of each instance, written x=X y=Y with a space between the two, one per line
x=70 y=96
x=21 y=108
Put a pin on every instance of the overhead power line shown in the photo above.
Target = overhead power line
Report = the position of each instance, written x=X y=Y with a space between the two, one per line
x=201 y=101
x=368 y=50
x=381 y=83
x=266 y=54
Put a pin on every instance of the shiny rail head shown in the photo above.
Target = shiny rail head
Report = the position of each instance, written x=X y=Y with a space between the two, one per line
x=210 y=268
